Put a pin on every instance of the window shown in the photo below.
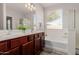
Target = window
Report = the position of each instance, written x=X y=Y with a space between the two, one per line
x=54 y=20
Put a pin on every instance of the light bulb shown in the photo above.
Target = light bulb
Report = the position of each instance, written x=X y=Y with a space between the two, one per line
x=25 y=5
x=29 y=4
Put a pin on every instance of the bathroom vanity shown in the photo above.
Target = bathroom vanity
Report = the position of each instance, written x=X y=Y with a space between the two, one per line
x=14 y=42
x=22 y=44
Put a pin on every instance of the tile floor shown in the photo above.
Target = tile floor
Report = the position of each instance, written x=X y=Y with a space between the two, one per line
x=46 y=53
x=51 y=52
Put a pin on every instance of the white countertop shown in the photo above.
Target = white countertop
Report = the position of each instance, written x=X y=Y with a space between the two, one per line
x=9 y=36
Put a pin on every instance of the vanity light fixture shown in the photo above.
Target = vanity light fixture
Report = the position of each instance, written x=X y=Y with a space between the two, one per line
x=30 y=6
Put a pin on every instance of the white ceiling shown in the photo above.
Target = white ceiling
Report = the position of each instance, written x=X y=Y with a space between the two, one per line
x=21 y=6
x=46 y=5
x=17 y=6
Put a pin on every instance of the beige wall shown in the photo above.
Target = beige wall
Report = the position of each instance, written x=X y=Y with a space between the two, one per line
x=1 y=16
x=77 y=27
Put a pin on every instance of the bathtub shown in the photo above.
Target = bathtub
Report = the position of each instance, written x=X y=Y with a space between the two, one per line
x=57 y=39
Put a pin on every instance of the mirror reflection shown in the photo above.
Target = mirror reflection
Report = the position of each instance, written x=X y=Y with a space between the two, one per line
x=18 y=17
x=21 y=16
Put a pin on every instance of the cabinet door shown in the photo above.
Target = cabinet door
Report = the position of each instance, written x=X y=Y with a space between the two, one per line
x=3 y=46
x=27 y=48
x=14 y=51
x=43 y=40
x=23 y=40
x=14 y=43
x=37 y=44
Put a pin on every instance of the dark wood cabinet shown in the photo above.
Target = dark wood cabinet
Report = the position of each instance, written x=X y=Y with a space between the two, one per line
x=37 y=44
x=23 y=40
x=3 y=46
x=14 y=43
x=42 y=41
x=27 y=48
x=30 y=37
x=15 y=51
x=26 y=45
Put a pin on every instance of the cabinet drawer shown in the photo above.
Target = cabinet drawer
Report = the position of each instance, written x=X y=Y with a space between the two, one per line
x=23 y=40
x=14 y=51
x=15 y=43
x=3 y=46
